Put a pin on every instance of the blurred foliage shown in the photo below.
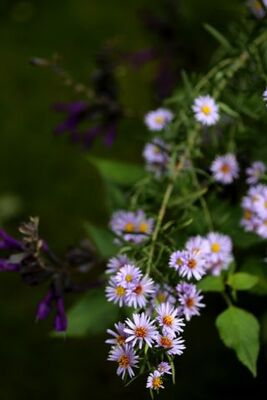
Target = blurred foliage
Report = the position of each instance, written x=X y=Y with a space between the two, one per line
x=45 y=176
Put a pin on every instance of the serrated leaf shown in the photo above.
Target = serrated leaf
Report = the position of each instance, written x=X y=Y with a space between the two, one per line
x=211 y=284
x=239 y=330
x=117 y=171
x=90 y=315
x=103 y=240
x=242 y=281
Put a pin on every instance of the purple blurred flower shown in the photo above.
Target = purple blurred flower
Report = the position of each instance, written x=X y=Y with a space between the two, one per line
x=60 y=321
x=45 y=306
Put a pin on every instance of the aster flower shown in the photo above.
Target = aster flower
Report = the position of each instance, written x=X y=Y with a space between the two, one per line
x=115 y=292
x=119 y=336
x=225 y=168
x=158 y=119
x=131 y=226
x=193 y=265
x=128 y=276
x=154 y=381
x=162 y=294
x=220 y=246
x=126 y=357
x=264 y=95
x=116 y=263
x=136 y=296
x=173 y=345
x=141 y=330
x=206 y=110
x=255 y=172
x=257 y=8
x=167 y=319
x=254 y=206
x=164 y=368
x=197 y=244
x=156 y=155
x=190 y=301
x=177 y=259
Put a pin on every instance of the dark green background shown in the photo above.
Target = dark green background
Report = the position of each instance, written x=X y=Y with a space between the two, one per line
x=51 y=178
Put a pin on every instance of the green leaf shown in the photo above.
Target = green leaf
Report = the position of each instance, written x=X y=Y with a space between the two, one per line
x=117 y=171
x=90 y=315
x=242 y=281
x=103 y=240
x=228 y=110
x=218 y=36
x=257 y=267
x=211 y=284
x=239 y=330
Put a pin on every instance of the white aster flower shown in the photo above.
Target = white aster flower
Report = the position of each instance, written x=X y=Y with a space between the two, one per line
x=164 y=368
x=126 y=357
x=206 y=110
x=119 y=336
x=141 y=330
x=154 y=381
x=116 y=263
x=167 y=318
x=136 y=296
x=158 y=119
x=225 y=168
x=255 y=171
x=174 y=346
x=128 y=276
x=115 y=292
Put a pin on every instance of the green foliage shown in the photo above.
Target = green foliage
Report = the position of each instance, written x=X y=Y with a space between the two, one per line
x=239 y=330
x=242 y=281
x=257 y=267
x=92 y=314
x=121 y=173
x=103 y=240
x=221 y=39
x=211 y=284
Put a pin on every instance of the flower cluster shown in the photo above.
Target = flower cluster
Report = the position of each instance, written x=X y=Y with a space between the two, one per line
x=254 y=206
x=202 y=255
x=258 y=8
x=131 y=226
x=156 y=154
x=128 y=286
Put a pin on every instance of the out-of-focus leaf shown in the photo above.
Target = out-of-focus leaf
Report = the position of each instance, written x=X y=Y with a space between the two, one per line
x=218 y=36
x=91 y=315
x=211 y=284
x=103 y=240
x=228 y=110
x=257 y=268
x=242 y=281
x=117 y=171
x=239 y=330
x=9 y=206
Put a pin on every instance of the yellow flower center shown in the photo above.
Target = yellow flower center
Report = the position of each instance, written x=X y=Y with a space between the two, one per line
x=159 y=119
x=265 y=204
x=143 y=227
x=257 y=5
x=156 y=149
x=161 y=297
x=120 y=291
x=247 y=214
x=124 y=361
x=140 y=331
x=167 y=320
x=166 y=342
x=225 y=168
x=128 y=278
x=179 y=261
x=157 y=382
x=190 y=302
x=192 y=263
x=120 y=340
x=129 y=227
x=215 y=247
x=206 y=109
